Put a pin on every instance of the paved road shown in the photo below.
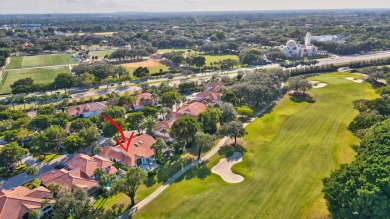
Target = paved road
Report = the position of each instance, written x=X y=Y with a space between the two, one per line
x=211 y=153
x=354 y=58
x=43 y=168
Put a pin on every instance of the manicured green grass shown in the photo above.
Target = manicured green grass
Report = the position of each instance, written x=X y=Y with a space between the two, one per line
x=289 y=151
x=18 y=170
x=39 y=75
x=171 y=50
x=49 y=157
x=102 y=53
x=40 y=61
x=32 y=184
x=217 y=58
x=154 y=69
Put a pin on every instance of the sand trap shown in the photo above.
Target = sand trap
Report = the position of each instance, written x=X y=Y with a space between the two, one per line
x=354 y=80
x=317 y=85
x=147 y=63
x=223 y=168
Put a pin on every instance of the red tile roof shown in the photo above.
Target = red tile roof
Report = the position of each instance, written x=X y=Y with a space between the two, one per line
x=140 y=146
x=78 y=172
x=144 y=99
x=67 y=178
x=193 y=109
x=212 y=95
x=213 y=86
x=89 y=164
x=88 y=107
x=166 y=124
x=15 y=203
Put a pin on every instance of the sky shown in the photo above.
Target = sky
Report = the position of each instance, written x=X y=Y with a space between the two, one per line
x=108 y=6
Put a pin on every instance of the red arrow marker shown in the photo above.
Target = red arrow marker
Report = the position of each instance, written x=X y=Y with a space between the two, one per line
x=121 y=132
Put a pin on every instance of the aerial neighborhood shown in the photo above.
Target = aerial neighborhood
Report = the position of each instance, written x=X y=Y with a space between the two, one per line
x=198 y=115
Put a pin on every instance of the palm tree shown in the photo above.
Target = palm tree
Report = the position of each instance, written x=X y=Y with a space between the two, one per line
x=149 y=123
x=32 y=171
x=22 y=99
x=164 y=131
x=12 y=100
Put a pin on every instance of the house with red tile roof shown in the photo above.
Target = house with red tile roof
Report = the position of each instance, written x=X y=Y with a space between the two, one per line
x=86 y=110
x=211 y=96
x=144 y=99
x=193 y=109
x=140 y=152
x=79 y=172
x=160 y=126
x=19 y=201
x=213 y=86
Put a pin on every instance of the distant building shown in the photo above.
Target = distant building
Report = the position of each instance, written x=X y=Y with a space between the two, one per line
x=18 y=202
x=294 y=50
x=86 y=110
x=139 y=153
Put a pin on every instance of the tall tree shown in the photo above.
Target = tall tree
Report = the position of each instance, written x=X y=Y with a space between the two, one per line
x=11 y=154
x=109 y=130
x=32 y=171
x=209 y=119
x=40 y=122
x=203 y=142
x=73 y=204
x=135 y=121
x=74 y=143
x=149 y=124
x=233 y=129
x=56 y=136
x=184 y=129
x=90 y=135
x=159 y=146
x=79 y=124
x=130 y=182
x=64 y=80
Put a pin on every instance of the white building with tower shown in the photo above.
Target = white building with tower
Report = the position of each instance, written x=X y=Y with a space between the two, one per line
x=292 y=49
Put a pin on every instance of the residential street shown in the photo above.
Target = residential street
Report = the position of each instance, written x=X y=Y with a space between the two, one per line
x=43 y=168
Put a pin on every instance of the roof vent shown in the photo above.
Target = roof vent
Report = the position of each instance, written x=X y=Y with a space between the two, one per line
x=136 y=144
x=140 y=142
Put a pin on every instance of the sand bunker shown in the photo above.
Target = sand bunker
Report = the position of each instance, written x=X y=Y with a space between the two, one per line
x=223 y=168
x=147 y=63
x=317 y=85
x=354 y=80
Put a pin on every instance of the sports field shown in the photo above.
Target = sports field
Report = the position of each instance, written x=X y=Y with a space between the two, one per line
x=40 y=61
x=40 y=75
x=289 y=151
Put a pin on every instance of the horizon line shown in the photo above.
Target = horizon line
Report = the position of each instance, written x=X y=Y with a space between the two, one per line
x=203 y=11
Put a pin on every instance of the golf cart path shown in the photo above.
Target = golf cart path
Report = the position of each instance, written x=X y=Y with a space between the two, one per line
x=211 y=153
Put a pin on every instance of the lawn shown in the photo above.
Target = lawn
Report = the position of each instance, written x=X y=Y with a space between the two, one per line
x=101 y=53
x=40 y=61
x=35 y=183
x=216 y=58
x=49 y=157
x=18 y=170
x=154 y=66
x=153 y=182
x=289 y=151
x=171 y=50
x=39 y=75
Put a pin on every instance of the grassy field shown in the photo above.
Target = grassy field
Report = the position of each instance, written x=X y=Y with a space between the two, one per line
x=170 y=50
x=289 y=151
x=40 y=75
x=40 y=61
x=154 y=67
x=102 y=53
x=216 y=58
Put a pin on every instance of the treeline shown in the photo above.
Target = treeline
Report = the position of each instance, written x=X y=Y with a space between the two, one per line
x=361 y=189
x=259 y=87
x=4 y=54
